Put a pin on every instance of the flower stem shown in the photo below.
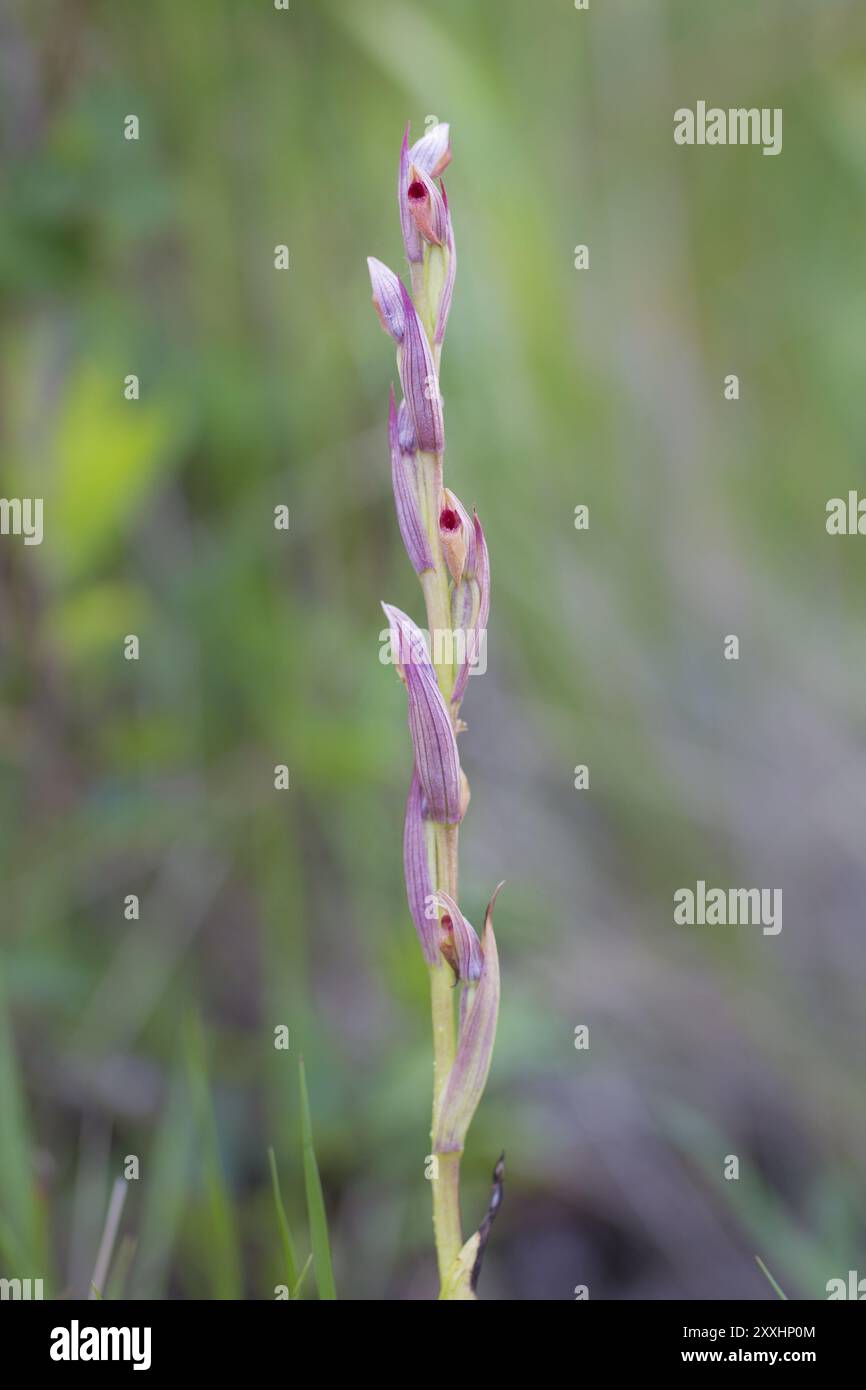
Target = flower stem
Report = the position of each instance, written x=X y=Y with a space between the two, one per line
x=446 y=1184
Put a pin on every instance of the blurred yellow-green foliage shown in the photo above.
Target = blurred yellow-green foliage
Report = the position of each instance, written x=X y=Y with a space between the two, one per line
x=259 y=388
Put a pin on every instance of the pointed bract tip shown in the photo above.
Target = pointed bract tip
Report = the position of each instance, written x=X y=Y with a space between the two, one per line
x=488 y=916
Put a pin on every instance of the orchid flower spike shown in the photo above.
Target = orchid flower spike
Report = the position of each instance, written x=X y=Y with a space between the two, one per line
x=448 y=551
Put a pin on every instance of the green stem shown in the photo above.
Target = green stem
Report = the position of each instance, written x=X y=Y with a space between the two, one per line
x=446 y=1184
x=446 y=1214
x=437 y=596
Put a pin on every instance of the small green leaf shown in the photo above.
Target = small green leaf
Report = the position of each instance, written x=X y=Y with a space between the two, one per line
x=283 y=1224
x=315 y=1200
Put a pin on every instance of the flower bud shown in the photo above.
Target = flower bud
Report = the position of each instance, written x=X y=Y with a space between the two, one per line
x=427 y=206
x=426 y=225
x=420 y=381
x=432 y=152
x=454 y=534
x=387 y=300
x=435 y=746
x=459 y=942
x=468 y=1075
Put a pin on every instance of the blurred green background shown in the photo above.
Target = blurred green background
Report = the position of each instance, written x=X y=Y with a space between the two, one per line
x=258 y=647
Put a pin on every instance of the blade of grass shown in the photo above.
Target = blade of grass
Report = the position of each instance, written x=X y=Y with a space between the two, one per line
x=315 y=1199
x=94 y=1172
x=109 y=1236
x=763 y=1268
x=120 y=1271
x=166 y=1196
x=283 y=1224
x=297 y=1289
x=223 y=1252
x=17 y=1188
x=12 y=1254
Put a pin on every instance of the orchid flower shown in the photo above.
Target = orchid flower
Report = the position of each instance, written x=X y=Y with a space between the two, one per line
x=448 y=551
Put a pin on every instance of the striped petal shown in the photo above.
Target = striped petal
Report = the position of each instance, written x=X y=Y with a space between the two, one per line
x=411 y=236
x=432 y=152
x=420 y=382
x=406 y=430
x=404 y=476
x=436 y=759
x=419 y=858
x=387 y=300
x=450 y=274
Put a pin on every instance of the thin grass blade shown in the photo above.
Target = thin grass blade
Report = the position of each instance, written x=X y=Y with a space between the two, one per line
x=223 y=1254
x=763 y=1268
x=283 y=1224
x=296 y=1291
x=315 y=1200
